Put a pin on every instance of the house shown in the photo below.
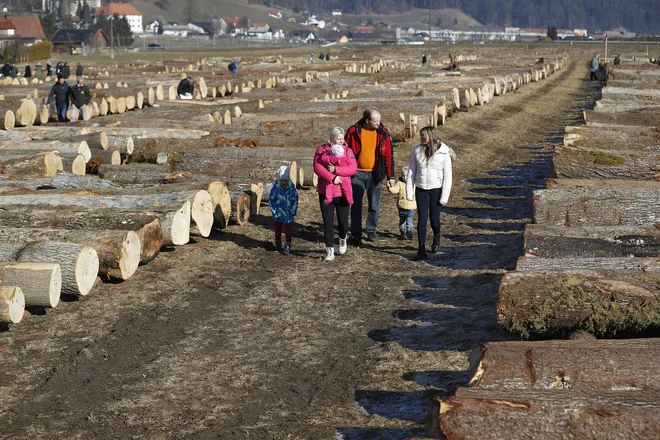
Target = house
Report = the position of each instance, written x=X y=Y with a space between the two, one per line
x=336 y=13
x=133 y=16
x=27 y=30
x=200 y=28
x=7 y=33
x=84 y=41
x=236 y=25
x=259 y=30
x=313 y=21
x=302 y=36
x=277 y=33
x=301 y=20
x=275 y=13
x=176 y=30
x=363 y=29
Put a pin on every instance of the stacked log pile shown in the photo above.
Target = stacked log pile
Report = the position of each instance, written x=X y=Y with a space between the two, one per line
x=590 y=268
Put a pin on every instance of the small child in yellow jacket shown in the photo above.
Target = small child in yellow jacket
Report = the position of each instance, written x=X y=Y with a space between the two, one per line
x=406 y=207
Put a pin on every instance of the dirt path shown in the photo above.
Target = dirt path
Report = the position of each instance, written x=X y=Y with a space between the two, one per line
x=227 y=339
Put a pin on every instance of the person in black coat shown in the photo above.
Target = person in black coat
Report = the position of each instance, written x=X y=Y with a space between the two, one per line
x=66 y=70
x=28 y=71
x=59 y=96
x=79 y=94
x=6 y=69
x=49 y=68
x=186 y=88
x=79 y=70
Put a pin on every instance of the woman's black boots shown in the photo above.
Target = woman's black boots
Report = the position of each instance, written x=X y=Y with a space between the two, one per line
x=421 y=253
x=435 y=247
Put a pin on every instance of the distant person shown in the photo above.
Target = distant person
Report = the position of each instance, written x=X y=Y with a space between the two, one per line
x=321 y=57
x=14 y=70
x=594 y=67
x=80 y=95
x=38 y=70
x=233 y=67
x=58 y=68
x=79 y=70
x=423 y=59
x=332 y=175
x=28 y=71
x=430 y=171
x=327 y=56
x=6 y=69
x=59 y=96
x=186 y=88
x=406 y=207
x=66 y=70
x=283 y=203
x=372 y=145
x=617 y=60
x=49 y=68
x=311 y=58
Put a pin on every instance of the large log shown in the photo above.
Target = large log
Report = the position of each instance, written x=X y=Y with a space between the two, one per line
x=642 y=117
x=588 y=242
x=600 y=301
x=570 y=202
x=118 y=251
x=628 y=364
x=221 y=203
x=633 y=139
x=79 y=264
x=580 y=163
x=73 y=164
x=254 y=190
x=549 y=415
x=40 y=164
x=12 y=304
x=8 y=120
x=40 y=282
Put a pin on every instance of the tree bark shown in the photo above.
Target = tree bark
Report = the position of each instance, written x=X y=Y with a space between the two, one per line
x=550 y=414
x=570 y=202
x=589 y=242
x=630 y=365
x=118 y=251
x=537 y=263
x=642 y=117
x=132 y=174
x=600 y=301
x=579 y=163
x=12 y=304
x=73 y=165
x=40 y=282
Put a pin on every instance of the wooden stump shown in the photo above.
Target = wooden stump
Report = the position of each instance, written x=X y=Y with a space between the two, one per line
x=221 y=204
x=12 y=304
x=40 y=282
x=240 y=207
x=9 y=121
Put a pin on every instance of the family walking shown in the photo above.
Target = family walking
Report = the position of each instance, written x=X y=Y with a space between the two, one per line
x=354 y=163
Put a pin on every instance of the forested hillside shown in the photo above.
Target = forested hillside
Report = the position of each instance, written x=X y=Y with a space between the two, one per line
x=641 y=16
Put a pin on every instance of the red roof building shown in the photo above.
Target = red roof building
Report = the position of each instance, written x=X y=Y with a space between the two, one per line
x=27 y=29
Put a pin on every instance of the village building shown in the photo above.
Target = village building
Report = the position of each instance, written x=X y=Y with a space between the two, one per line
x=82 y=41
x=133 y=16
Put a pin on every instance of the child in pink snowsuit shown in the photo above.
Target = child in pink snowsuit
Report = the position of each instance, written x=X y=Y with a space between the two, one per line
x=336 y=156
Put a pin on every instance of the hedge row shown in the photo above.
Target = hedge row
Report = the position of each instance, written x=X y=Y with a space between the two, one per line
x=40 y=51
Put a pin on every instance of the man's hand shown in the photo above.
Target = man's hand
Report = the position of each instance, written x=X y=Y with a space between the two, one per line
x=391 y=182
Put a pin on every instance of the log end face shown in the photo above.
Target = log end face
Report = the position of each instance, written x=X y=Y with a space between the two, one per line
x=130 y=255
x=180 y=231
x=202 y=212
x=86 y=270
x=12 y=308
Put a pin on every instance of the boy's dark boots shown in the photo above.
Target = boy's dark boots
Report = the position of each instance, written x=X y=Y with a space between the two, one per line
x=402 y=236
x=435 y=247
x=421 y=253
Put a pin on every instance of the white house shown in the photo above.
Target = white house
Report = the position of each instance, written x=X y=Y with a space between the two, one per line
x=275 y=13
x=175 y=30
x=133 y=16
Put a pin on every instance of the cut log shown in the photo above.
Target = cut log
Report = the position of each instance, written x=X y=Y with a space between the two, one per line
x=642 y=117
x=221 y=204
x=240 y=207
x=9 y=121
x=603 y=302
x=98 y=157
x=571 y=202
x=176 y=223
x=579 y=163
x=549 y=414
x=12 y=304
x=26 y=114
x=151 y=96
x=118 y=251
x=40 y=282
x=79 y=264
x=628 y=364
x=40 y=164
x=588 y=242
x=74 y=164
x=123 y=144
x=254 y=190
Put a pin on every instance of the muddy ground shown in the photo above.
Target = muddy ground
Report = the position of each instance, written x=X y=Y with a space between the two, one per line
x=227 y=339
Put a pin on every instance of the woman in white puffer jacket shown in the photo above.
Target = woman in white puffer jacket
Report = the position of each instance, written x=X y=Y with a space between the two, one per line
x=430 y=172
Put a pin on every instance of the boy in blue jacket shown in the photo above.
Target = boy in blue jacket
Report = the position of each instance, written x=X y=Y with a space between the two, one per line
x=283 y=202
